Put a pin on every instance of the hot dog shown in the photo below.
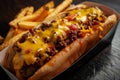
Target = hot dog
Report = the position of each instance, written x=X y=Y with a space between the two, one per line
x=50 y=48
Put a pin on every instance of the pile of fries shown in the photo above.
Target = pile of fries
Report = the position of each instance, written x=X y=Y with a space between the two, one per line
x=27 y=18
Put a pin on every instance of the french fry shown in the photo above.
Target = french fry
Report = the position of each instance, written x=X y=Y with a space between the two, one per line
x=1 y=39
x=27 y=24
x=43 y=15
x=30 y=11
x=9 y=34
x=11 y=41
x=34 y=16
x=60 y=8
x=25 y=11
x=51 y=10
x=49 y=5
x=12 y=32
x=18 y=31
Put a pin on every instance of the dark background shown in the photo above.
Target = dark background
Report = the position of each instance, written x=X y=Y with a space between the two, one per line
x=105 y=65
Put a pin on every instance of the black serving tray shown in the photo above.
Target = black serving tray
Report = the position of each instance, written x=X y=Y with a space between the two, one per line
x=10 y=8
x=68 y=74
x=103 y=43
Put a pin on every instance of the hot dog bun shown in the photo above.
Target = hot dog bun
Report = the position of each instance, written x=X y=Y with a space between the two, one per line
x=71 y=53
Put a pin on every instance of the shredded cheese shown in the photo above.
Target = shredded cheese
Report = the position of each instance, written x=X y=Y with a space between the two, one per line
x=101 y=29
x=91 y=30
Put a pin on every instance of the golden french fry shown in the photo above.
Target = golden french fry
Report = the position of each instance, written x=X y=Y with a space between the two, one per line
x=50 y=4
x=60 y=8
x=15 y=22
x=45 y=12
x=1 y=39
x=12 y=32
x=25 y=11
x=30 y=11
x=47 y=6
x=9 y=34
x=43 y=15
x=51 y=10
x=34 y=16
x=11 y=41
x=18 y=31
x=27 y=24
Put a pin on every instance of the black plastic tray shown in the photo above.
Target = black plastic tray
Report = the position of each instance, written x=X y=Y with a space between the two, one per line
x=68 y=74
